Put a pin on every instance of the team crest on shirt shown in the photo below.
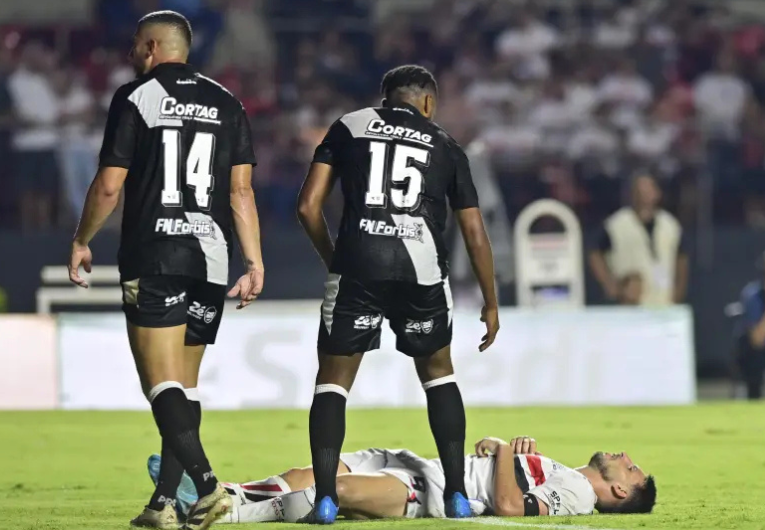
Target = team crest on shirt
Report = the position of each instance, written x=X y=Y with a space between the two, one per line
x=413 y=232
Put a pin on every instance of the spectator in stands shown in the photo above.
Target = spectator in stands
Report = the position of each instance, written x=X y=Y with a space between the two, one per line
x=36 y=138
x=751 y=335
x=721 y=97
x=245 y=39
x=7 y=122
x=644 y=240
x=525 y=47
x=79 y=139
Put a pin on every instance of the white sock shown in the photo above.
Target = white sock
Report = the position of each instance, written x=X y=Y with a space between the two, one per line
x=298 y=504
x=289 y=508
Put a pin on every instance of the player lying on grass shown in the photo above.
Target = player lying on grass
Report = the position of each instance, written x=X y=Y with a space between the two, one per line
x=509 y=479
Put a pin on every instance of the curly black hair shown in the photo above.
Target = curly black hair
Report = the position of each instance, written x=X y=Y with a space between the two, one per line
x=406 y=78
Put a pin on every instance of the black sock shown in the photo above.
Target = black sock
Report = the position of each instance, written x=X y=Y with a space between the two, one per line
x=327 y=432
x=179 y=426
x=447 y=422
x=170 y=470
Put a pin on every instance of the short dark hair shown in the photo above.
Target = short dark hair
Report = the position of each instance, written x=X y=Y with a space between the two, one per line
x=641 y=500
x=169 y=18
x=409 y=77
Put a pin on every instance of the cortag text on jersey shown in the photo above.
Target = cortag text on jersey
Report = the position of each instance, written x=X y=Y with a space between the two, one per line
x=381 y=129
x=171 y=108
x=181 y=227
x=382 y=228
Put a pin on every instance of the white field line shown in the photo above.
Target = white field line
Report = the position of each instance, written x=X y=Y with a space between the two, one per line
x=494 y=521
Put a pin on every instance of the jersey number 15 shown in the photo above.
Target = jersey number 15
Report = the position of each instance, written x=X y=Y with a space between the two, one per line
x=198 y=168
x=400 y=171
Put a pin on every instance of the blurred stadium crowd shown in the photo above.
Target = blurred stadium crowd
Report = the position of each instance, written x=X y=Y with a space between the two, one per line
x=570 y=97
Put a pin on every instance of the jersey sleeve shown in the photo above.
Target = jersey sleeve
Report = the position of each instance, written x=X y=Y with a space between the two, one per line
x=327 y=151
x=566 y=494
x=243 y=150
x=121 y=133
x=461 y=191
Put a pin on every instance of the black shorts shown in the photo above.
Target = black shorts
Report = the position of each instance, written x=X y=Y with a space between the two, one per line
x=166 y=301
x=352 y=314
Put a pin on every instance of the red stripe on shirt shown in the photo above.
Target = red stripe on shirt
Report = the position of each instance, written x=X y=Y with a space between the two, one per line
x=535 y=469
x=261 y=487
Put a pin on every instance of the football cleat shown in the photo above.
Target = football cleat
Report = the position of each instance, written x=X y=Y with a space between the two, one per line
x=458 y=507
x=209 y=509
x=166 y=519
x=323 y=512
x=185 y=496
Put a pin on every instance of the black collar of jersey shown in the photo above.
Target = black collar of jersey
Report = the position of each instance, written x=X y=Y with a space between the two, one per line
x=406 y=106
x=181 y=68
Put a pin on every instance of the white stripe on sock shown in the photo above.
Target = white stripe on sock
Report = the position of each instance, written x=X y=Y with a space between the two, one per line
x=192 y=394
x=157 y=390
x=337 y=389
x=438 y=382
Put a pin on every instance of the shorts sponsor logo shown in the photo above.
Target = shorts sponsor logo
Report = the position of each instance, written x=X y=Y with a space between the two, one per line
x=202 y=312
x=175 y=300
x=367 y=322
x=419 y=326
x=382 y=228
x=171 y=108
x=186 y=82
x=181 y=227
x=379 y=128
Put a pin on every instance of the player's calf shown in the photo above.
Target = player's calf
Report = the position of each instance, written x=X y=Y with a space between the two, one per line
x=446 y=413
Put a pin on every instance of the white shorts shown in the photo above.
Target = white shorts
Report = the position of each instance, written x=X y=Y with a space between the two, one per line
x=423 y=478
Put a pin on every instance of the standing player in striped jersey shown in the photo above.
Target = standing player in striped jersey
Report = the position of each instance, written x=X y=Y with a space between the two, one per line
x=398 y=171
x=509 y=479
x=180 y=144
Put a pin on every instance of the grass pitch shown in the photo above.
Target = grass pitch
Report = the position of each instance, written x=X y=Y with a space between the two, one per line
x=86 y=470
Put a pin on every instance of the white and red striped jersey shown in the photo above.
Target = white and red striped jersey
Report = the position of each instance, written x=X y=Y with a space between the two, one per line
x=564 y=490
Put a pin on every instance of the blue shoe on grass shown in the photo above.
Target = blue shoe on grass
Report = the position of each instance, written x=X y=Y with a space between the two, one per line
x=458 y=507
x=185 y=496
x=323 y=512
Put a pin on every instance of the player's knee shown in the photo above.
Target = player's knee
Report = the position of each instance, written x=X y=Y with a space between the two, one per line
x=435 y=367
x=298 y=478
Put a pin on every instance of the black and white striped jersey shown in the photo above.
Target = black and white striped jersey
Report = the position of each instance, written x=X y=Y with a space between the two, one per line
x=179 y=134
x=397 y=170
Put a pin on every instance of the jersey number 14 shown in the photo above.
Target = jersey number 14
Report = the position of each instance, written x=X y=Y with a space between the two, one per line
x=400 y=171
x=198 y=168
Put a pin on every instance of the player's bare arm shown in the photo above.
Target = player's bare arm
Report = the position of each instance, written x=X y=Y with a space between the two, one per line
x=479 y=250
x=102 y=199
x=313 y=195
x=508 y=496
x=521 y=445
x=247 y=227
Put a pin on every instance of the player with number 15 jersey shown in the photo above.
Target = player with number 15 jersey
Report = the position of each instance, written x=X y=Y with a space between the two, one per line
x=399 y=173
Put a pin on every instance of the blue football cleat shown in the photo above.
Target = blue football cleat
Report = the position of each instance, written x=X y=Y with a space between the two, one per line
x=323 y=512
x=458 y=507
x=185 y=496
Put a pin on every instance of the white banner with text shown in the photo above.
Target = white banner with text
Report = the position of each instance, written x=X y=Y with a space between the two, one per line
x=265 y=357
